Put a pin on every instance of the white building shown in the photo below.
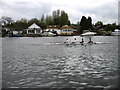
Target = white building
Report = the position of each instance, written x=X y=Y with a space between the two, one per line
x=17 y=32
x=67 y=30
x=53 y=28
x=34 y=29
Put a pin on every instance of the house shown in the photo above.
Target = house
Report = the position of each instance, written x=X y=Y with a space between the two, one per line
x=67 y=30
x=3 y=31
x=53 y=29
x=34 y=30
x=17 y=32
x=76 y=29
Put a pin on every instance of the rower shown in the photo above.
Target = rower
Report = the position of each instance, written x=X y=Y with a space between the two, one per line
x=90 y=41
x=74 y=41
x=66 y=41
x=82 y=41
x=74 y=38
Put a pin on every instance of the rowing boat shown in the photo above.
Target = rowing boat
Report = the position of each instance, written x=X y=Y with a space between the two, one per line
x=71 y=43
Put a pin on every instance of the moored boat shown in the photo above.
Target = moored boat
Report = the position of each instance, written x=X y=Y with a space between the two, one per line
x=116 y=32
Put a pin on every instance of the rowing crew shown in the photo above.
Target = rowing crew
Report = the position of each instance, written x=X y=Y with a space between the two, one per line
x=90 y=41
x=75 y=42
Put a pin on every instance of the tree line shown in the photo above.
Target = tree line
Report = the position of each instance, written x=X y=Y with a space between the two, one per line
x=57 y=18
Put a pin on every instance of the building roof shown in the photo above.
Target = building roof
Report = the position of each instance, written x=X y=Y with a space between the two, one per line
x=77 y=27
x=34 y=26
x=97 y=27
x=53 y=26
x=66 y=27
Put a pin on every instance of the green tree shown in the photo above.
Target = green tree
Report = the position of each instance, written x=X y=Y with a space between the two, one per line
x=20 y=24
x=6 y=20
x=99 y=23
x=83 y=24
x=42 y=22
x=110 y=27
x=89 y=23
x=86 y=24
x=33 y=20
x=64 y=20
x=56 y=17
x=49 y=20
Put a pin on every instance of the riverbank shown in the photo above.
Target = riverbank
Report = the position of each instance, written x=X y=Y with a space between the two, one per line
x=50 y=36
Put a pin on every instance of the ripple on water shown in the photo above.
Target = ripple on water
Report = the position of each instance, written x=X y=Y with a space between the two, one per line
x=47 y=65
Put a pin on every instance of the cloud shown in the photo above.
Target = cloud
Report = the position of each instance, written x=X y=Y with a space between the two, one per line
x=23 y=9
x=99 y=10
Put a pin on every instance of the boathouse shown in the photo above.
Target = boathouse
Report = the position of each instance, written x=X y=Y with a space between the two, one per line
x=34 y=30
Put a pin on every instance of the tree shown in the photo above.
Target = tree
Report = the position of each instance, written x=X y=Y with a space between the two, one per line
x=64 y=20
x=110 y=27
x=89 y=22
x=86 y=24
x=56 y=17
x=83 y=24
x=42 y=22
x=6 y=20
x=24 y=20
x=49 y=20
x=20 y=24
x=99 y=23
x=33 y=20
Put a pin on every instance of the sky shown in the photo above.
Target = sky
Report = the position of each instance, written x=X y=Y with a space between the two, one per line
x=100 y=10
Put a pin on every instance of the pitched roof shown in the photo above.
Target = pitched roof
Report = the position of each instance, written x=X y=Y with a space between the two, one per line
x=34 y=26
x=53 y=26
x=66 y=27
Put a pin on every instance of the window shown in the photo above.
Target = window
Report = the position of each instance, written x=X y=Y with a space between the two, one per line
x=31 y=31
x=37 y=31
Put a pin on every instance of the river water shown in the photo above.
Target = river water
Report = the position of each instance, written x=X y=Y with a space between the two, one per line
x=33 y=62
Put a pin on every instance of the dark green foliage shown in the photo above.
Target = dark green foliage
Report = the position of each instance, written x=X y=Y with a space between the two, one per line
x=20 y=24
x=58 y=18
x=64 y=19
x=83 y=24
x=99 y=23
x=89 y=22
x=6 y=20
x=49 y=20
x=110 y=27
x=33 y=20
x=42 y=23
x=86 y=24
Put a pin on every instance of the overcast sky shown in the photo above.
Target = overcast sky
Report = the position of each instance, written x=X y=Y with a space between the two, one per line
x=100 y=10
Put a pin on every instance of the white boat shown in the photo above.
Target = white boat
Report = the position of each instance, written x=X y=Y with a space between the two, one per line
x=48 y=34
x=88 y=34
x=116 y=32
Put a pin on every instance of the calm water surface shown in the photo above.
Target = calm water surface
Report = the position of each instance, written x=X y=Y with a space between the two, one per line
x=34 y=63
